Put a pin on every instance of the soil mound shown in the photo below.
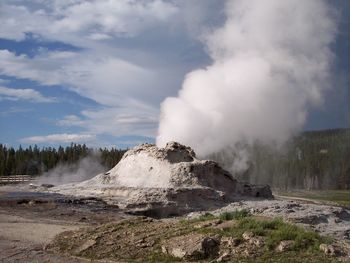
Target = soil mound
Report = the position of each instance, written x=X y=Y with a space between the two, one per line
x=165 y=181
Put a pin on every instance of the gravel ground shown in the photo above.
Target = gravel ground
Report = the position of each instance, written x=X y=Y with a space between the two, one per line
x=28 y=222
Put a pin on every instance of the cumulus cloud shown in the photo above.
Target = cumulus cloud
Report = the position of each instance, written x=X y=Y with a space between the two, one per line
x=71 y=20
x=59 y=138
x=271 y=64
x=23 y=94
x=137 y=120
x=116 y=60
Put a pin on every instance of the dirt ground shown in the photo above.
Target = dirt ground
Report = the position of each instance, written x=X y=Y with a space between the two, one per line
x=29 y=221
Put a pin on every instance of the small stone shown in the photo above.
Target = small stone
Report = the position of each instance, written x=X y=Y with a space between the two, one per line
x=257 y=241
x=230 y=241
x=192 y=246
x=249 y=252
x=288 y=211
x=216 y=222
x=164 y=249
x=328 y=250
x=86 y=245
x=337 y=220
x=285 y=245
x=247 y=235
x=202 y=225
x=347 y=234
x=224 y=257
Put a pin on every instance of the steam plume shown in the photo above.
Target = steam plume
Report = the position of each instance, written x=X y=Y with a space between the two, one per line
x=271 y=64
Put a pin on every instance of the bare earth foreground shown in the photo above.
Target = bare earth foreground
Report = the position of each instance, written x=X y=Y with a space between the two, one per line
x=29 y=221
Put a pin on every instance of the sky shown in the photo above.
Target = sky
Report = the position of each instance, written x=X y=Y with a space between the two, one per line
x=96 y=72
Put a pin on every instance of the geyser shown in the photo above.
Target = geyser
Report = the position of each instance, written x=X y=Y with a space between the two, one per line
x=271 y=63
x=165 y=181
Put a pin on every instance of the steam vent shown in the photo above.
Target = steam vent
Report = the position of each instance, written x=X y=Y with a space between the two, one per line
x=163 y=182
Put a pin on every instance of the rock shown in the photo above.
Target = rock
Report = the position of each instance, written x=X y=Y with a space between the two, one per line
x=226 y=224
x=257 y=241
x=161 y=182
x=249 y=252
x=329 y=250
x=47 y=185
x=31 y=203
x=86 y=245
x=312 y=219
x=342 y=214
x=346 y=234
x=192 y=246
x=230 y=241
x=246 y=189
x=285 y=245
x=202 y=225
x=292 y=205
x=224 y=257
x=337 y=220
x=208 y=223
x=247 y=235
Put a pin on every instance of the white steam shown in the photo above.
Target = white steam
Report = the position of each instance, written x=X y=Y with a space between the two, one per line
x=271 y=63
x=85 y=169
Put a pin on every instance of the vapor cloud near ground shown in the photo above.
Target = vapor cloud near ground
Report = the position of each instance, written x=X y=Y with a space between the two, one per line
x=85 y=169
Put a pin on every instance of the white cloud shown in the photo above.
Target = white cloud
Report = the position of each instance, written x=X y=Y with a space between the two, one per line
x=127 y=81
x=70 y=120
x=137 y=120
x=14 y=110
x=23 y=94
x=73 y=20
x=41 y=70
x=106 y=80
x=59 y=138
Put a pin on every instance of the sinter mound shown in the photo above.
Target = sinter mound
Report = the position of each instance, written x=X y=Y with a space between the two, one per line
x=164 y=182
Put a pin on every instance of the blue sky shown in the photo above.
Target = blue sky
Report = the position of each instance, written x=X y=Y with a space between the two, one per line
x=96 y=72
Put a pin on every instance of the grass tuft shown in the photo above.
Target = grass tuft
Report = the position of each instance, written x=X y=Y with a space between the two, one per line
x=236 y=215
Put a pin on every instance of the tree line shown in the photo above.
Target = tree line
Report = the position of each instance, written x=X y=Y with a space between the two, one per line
x=311 y=160
x=36 y=161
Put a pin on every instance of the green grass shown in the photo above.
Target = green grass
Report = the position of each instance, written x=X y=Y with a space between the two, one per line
x=206 y=216
x=274 y=231
x=238 y=214
x=340 y=197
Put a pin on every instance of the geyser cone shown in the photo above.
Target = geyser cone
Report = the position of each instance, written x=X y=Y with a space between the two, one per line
x=165 y=181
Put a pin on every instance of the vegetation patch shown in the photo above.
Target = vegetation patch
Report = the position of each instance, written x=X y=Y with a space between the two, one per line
x=238 y=214
x=142 y=239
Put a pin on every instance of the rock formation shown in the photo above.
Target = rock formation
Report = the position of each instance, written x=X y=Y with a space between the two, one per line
x=165 y=181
